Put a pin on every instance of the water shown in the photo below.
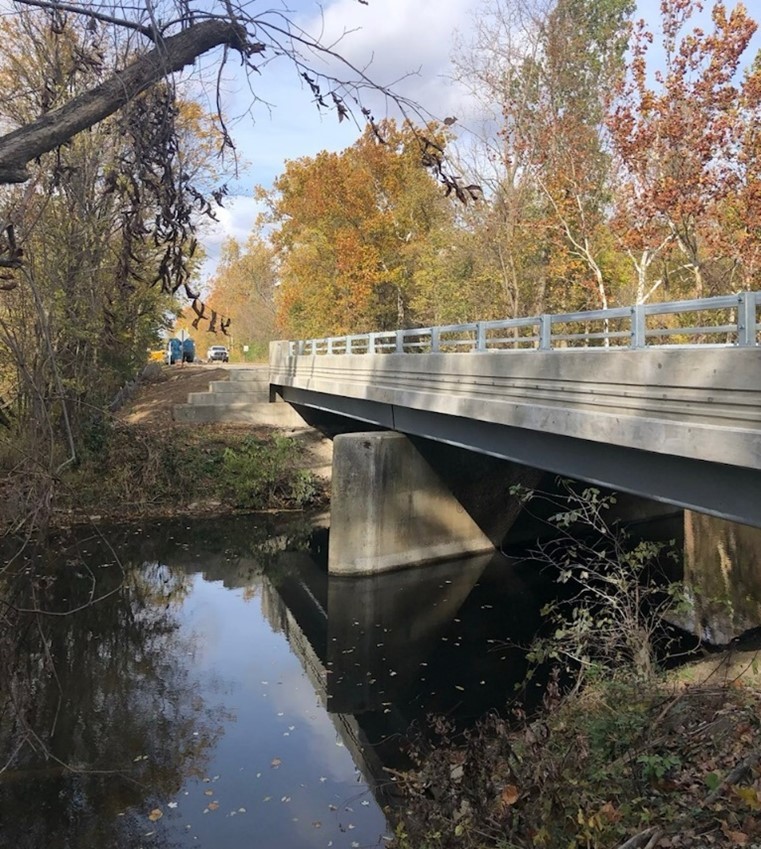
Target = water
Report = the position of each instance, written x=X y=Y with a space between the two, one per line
x=210 y=686
x=202 y=702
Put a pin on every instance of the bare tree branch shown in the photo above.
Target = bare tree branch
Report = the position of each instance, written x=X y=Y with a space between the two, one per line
x=54 y=6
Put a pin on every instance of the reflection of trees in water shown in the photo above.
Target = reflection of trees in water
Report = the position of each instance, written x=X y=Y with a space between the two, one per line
x=98 y=712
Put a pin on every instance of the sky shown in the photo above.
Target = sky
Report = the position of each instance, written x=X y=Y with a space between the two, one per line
x=404 y=43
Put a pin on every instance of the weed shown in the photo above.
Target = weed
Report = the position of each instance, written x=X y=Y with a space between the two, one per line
x=141 y=469
x=263 y=473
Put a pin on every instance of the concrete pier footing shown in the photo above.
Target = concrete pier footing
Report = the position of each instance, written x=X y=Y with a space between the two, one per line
x=389 y=509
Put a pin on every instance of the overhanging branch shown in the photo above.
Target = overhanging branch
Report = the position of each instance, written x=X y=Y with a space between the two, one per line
x=21 y=146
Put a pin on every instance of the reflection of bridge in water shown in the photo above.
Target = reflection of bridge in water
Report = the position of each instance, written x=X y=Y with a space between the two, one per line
x=375 y=648
x=362 y=643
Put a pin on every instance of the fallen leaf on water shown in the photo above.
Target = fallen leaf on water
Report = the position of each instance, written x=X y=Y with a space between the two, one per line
x=241 y=810
x=213 y=806
x=316 y=824
x=275 y=762
x=155 y=814
x=208 y=792
x=171 y=804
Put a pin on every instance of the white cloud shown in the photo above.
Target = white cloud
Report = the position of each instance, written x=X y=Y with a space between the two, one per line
x=406 y=44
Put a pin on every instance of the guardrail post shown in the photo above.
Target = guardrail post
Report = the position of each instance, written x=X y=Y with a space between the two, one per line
x=638 y=334
x=399 y=341
x=435 y=340
x=480 y=336
x=545 y=332
x=330 y=345
x=746 y=319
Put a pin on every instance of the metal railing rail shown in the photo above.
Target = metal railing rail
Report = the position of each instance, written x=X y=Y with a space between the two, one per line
x=725 y=321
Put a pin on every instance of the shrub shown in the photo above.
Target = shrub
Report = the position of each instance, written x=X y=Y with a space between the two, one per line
x=609 y=614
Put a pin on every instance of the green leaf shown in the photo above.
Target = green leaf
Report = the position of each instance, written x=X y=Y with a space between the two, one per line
x=712 y=780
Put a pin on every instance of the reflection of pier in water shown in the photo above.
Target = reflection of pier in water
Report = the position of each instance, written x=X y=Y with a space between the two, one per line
x=362 y=642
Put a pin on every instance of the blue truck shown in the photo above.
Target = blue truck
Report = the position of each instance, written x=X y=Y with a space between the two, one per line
x=188 y=350
x=180 y=351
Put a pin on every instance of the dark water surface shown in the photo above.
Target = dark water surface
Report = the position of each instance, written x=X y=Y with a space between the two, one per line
x=200 y=702
x=210 y=686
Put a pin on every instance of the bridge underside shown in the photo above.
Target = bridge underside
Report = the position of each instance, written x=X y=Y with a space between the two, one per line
x=728 y=491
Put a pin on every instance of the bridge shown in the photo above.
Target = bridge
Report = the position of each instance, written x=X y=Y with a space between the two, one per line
x=659 y=400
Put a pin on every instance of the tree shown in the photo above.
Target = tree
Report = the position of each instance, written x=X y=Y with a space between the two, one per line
x=179 y=32
x=154 y=41
x=507 y=232
x=79 y=325
x=581 y=57
x=546 y=66
x=686 y=148
x=349 y=230
x=112 y=175
x=243 y=291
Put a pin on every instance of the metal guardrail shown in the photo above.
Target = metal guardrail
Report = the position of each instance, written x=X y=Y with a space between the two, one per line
x=726 y=321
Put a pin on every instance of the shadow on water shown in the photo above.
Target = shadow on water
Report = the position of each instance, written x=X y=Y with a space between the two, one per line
x=386 y=651
x=91 y=698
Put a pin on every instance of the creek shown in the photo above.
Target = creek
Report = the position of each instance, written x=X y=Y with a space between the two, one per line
x=212 y=687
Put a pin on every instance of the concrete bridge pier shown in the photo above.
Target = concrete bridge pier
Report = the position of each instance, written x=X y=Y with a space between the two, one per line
x=391 y=508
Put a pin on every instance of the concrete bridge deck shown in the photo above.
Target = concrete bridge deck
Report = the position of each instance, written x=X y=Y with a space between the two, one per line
x=679 y=423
